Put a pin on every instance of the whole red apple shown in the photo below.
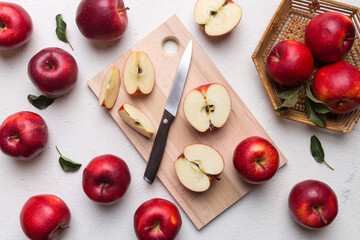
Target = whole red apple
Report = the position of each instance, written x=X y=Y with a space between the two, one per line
x=330 y=36
x=53 y=71
x=44 y=217
x=106 y=179
x=15 y=26
x=256 y=159
x=23 y=135
x=290 y=63
x=102 y=20
x=313 y=204
x=157 y=219
x=338 y=85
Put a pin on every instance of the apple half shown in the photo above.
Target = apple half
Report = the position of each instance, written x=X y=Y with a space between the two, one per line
x=198 y=166
x=110 y=88
x=136 y=119
x=207 y=106
x=217 y=17
x=139 y=74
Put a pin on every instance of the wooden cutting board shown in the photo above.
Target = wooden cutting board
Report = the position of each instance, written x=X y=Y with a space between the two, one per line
x=201 y=208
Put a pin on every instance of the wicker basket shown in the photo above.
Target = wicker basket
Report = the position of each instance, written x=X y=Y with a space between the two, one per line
x=289 y=22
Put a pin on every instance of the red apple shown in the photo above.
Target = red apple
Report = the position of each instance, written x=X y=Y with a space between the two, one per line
x=256 y=160
x=330 y=36
x=102 y=20
x=313 y=204
x=106 y=179
x=15 y=26
x=338 y=85
x=157 y=219
x=53 y=71
x=23 y=135
x=44 y=217
x=290 y=63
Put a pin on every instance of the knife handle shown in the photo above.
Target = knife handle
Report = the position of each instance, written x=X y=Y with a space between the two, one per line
x=158 y=148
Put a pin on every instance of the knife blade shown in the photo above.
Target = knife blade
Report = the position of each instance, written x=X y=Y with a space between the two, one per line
x=169 y=115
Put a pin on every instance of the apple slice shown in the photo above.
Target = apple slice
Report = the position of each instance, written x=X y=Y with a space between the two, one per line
x=198 y=166
x=139 y=74
x=136 y=119
x=207 y=106
x=110 y=88
x=217 y=17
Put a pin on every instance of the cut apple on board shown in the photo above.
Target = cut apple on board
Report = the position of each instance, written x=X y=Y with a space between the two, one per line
x=139 y=74
x=217 y=17
x=110 y=88
x=198 y=167
x=136 y=119
x=207 y=106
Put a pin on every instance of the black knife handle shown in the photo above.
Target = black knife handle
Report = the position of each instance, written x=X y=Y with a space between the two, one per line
x=158 y=148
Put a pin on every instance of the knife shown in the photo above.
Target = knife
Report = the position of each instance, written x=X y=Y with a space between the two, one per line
x=169 y=115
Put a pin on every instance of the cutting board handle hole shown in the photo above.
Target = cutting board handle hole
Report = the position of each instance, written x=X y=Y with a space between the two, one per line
x=170 y=45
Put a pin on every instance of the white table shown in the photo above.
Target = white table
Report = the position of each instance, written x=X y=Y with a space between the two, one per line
x=82 y=130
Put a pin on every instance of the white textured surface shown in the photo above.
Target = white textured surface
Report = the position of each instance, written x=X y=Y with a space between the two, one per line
x=82 y=130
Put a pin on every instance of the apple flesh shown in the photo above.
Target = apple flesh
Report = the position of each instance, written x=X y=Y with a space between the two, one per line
x=313 y=204
x=198 y=166
x=330 y=36
x=139 y=74
x=256 y=160
x=110 y=88
x=45 y=217
x=157 y=219
x=217 y=17
x=23 y=135
x=290 y=63
x=136 y=119
x=207 y=106
x=106 y=179
x=53 y=71
x=15 y=26
x=338 y=85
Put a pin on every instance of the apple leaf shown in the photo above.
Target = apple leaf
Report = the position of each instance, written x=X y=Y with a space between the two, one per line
x=317 y=118
x=290 y=92
x=61 y=30
x=41 y=102
x=291 y=97
x=317 y=151
x=67 y=164
x=319 y=106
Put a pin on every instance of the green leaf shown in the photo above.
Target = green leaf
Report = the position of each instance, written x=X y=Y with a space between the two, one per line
x=317 y=151
x=288 y=103
x=319 y=106
x=67 y=164
x=291 y=92
x=317 y=118
x=41 y=102
x=61 y=30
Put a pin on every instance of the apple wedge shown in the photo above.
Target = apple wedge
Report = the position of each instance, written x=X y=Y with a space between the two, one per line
x=110 y=88
x=217 y=17
x=136 y=119
x=198 y=166
x=207 y=106
x=139 y=74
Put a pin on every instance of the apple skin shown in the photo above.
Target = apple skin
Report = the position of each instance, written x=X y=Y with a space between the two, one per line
x=53 y=71
x=252 y=152
x=327 y=34
x=16 y=26
x=23 y=135
x=106 y=179
x=290 y=63
x=100 y=20
x=44 y=217
x=338 y=85
x=308 y=195
x=157 y=219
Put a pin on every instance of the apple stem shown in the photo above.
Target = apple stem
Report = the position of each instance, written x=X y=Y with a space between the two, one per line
x=320 y=215
x=14 y=137
x=122 y=10
x=226 y=1
x=259 y=162
x=328 y=165
x=70 y=45
x=58 y=151
x=102 y=187
x=64 y=227
x=350 y=39
x=153 y=226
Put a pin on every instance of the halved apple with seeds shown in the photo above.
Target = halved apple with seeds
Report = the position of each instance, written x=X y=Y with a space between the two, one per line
x=110 y=88
x=136 y=119
x=207 y=106
x=139 y=74
x=199 y=166
x=217 y=17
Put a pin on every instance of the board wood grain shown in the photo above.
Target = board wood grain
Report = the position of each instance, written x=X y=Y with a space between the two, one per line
x=201 y=208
